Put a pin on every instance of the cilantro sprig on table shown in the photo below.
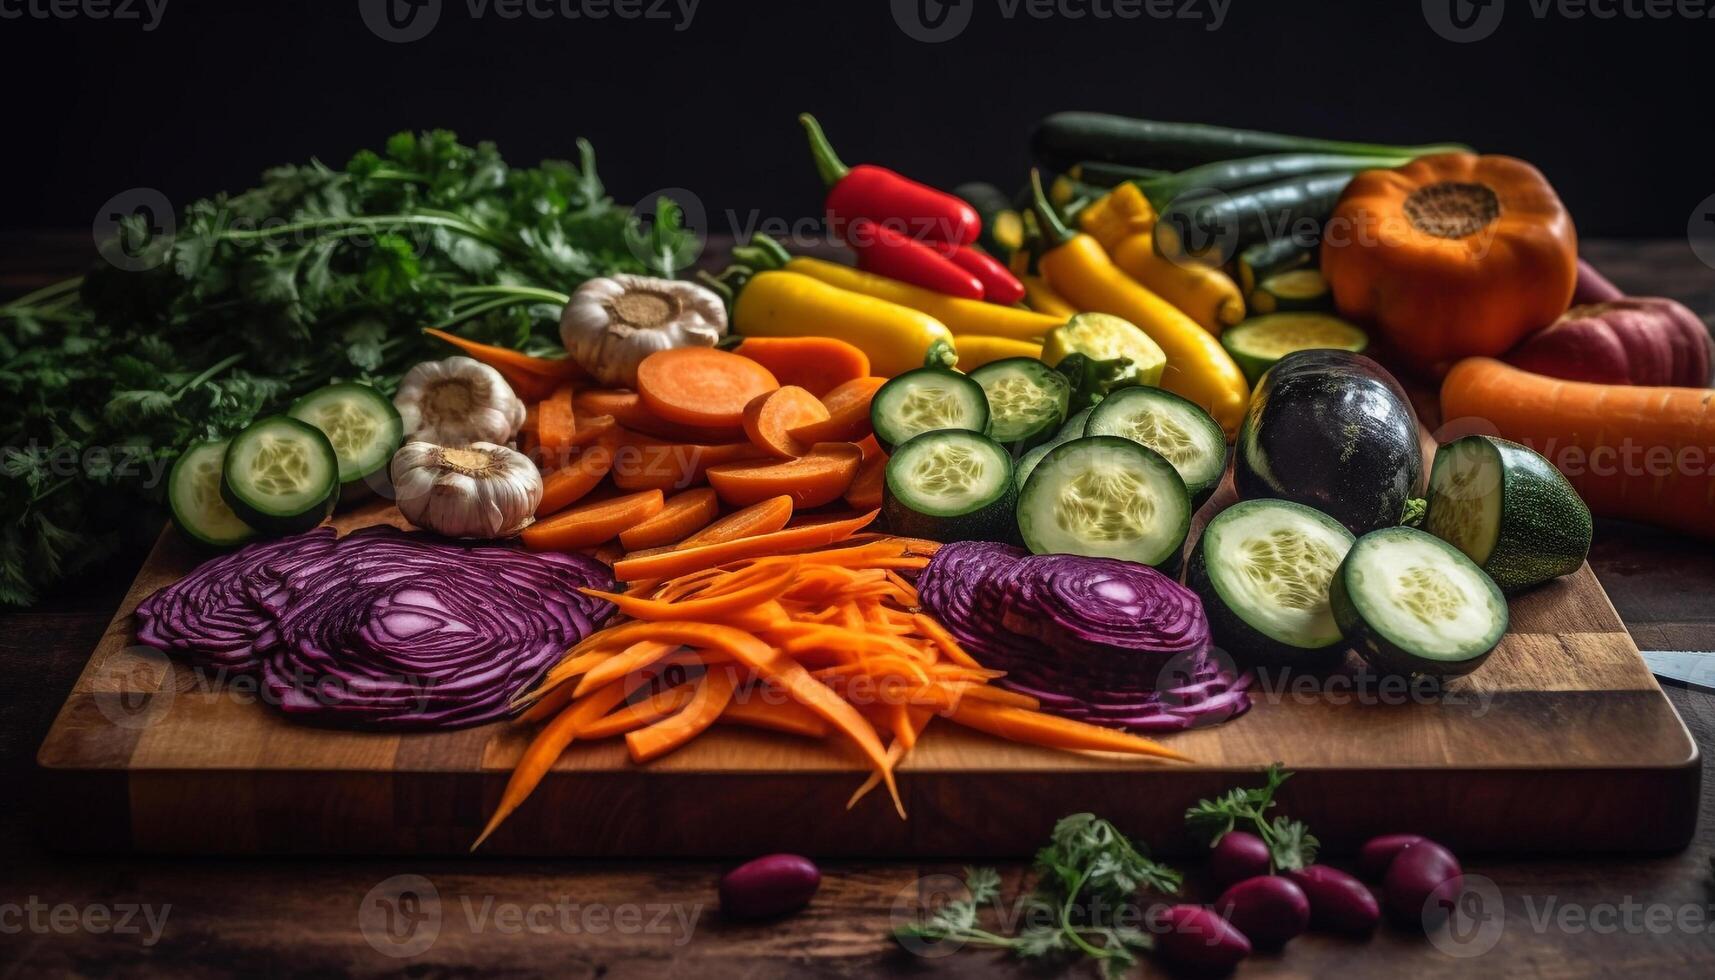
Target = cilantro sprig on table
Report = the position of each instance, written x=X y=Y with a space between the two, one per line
x=1290 y=843
x=317 y=275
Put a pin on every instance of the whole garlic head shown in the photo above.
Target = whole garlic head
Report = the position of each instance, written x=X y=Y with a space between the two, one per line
x=613 y=323
x=456 y=402
x=475 y=491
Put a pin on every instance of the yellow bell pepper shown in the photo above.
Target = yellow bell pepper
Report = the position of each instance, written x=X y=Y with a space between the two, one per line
x=975 y=350
x=961 y=316
x=1198 y=368
x=1120 y=214
x=788 y=304
x=1043 y=299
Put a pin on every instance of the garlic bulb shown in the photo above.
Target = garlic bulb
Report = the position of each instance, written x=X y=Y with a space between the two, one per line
x=475 y=491
x=456 y=402
x=613 y=323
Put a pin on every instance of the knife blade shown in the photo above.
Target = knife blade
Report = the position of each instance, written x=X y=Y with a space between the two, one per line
x=1691 y=668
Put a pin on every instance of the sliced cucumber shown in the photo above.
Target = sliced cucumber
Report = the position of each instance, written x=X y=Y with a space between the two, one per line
x=924 y=400
x=1412 y=603
x=1257 y=343
x=1105 y=497
x=1072 y=428
x=1509 y=510
x=363 y=427
x=1188 y=436
x=193 y=493
x=950 y=485
x=1027 y=400
x=1262 y=569
x=280 y=475
x=1272 y=257
x=1298 y=290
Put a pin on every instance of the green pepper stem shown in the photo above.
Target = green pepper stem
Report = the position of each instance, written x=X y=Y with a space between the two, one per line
x=828 y=163
x=1053 y=228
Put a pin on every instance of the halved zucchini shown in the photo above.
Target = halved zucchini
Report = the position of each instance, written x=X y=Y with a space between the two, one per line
x=1027 y=400
x=1300 y=289
x=1189 y=437
x=926 y=399
x=1106 y=497
x=363 y=427
x=280 y=475
x=1102 y=337
x=1257 y=343
x=193 y=494
x=1411 y=603
x=950 y=485
x=1508 y=509
x=1262 y=568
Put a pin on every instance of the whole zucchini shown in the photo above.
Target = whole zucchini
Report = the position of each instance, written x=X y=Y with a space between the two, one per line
x=1066 y=138
x=1236 y=175
x=1334 y=431
x=1214 y=226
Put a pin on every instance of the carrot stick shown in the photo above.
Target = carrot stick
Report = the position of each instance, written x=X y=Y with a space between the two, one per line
x=759 y=518
x=683 y=515
x=935 y=631
x=647 y=463
x=848 y=413
x=817 y=364
x=896 y=753
x=785 y=716
x=813 y=479
x=645 y=712
x=592 y=524
x=635 y=657
x=865 y=491
x=555 y=423
x=701 y=385
x=557 y=369
x=714 y=608
x=769 y=416
x=1036 y=728
x=679 y=562
x=547 y=746
x=570 y=484
x=713 y=693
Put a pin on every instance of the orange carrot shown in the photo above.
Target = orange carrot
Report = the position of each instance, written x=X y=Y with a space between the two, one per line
x=770 y=416
x=683 y=515
x=634 y=716
x=869 y=446
x=1636 y=453
x=645 y=463
x=770 y=585
x=782 y=714
x=763 y=517
x=865 y=491
x=592 y=524
x=713 y=694
x=1063 y=733
x=943 y=639
x=589 y=428
x=681 y=561
x=569 y=484
x=633 y=658
x=848 y=413
x=814 y=479
x=701 y=385
x=547 y=746
x=816 y=364
x=555 y=424
x=628 y=410
x=530 y=411
x=531 y=378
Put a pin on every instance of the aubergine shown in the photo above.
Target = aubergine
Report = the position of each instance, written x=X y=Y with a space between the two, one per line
x=1331 y=430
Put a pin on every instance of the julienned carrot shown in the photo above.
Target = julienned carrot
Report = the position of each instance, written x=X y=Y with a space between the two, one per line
x=848 y=413
x=770 y=417
x=781 y=714
x=701 y=385
x=646 y=712
x=628 y=410
x=646 y=463
x=1635 y=453
x=569 y=484
x=681 y=561
x=592 y=524
x=760 y=518
x=1050 y=730
x=713 y=694
x=816 y=364
x=813 y=479
x=684 y=515
x=549 y=743
x=638 y=656
x=710 y=608
x=866 y=490
x=555 y=424
x=944 y=640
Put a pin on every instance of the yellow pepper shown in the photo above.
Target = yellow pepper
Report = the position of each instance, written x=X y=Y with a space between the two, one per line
x=975 y=350
x=1198 y=368
x=789 y=304
x=1039 y=296
x=961 y=316
x=1123 y=222
x=1120 y=214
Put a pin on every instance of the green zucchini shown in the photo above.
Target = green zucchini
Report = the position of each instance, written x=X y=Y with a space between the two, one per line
x=1099 y=174
x=1003 y=226
x=1411 y=603
x=950 y=485
x=1295 y=291
x=1213 y=227
x=193 y=494
x=926 y=399
x=1186 y=435
x=1066 y=138
x=1105 y=497
x=280 y=475
x=1272 y=257
x=1257 y=343
x=1229 y=176
x=1262 y=569
x=364 y=428
x=1508 y=509
x=1027 y=400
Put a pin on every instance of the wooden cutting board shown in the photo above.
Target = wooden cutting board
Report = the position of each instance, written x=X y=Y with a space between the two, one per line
x=1561 y=742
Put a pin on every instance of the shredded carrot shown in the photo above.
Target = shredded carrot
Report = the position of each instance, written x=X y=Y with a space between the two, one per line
x=648 y=711
x=713 y=693
x=754 y=710
x=549 y=743
x=635 y=657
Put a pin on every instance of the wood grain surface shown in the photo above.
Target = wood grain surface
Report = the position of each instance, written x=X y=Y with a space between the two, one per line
x=308 y=916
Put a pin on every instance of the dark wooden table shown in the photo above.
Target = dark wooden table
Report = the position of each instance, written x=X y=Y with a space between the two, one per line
x=1642 y=916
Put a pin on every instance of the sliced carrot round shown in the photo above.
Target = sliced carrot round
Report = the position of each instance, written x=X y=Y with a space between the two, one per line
x=701 y=385
x=770 y=417
x=848 y=413
x=684 y=515
x=816 y=478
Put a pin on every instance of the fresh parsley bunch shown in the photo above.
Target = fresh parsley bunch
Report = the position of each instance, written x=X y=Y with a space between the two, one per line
x=317 y=275
x=1290 y=844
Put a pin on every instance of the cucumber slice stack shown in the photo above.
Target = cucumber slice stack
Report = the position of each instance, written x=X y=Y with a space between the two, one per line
x=194 y=495
x=1509 y=510
x=1186 y=435
x=280 y=475
x=1105 y=497
x=950 y=485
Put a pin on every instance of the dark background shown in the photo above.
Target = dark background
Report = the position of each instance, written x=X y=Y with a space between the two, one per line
x=1614 y=111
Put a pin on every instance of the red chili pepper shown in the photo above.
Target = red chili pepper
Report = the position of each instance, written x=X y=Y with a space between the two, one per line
x=886 y=252
x=867 y=191
x=999 y=284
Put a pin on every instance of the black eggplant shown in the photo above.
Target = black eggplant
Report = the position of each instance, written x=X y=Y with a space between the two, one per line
x=1334 y=431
